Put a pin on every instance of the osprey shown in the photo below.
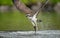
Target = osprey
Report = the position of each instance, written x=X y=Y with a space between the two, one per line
x=31 y=10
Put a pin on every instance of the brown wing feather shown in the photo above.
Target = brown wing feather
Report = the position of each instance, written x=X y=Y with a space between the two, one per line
x=22 y=7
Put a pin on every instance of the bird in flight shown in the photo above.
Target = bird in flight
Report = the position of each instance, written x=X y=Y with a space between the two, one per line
x=31 y=10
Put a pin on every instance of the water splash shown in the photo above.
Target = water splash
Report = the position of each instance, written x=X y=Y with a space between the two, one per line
x=31 y=34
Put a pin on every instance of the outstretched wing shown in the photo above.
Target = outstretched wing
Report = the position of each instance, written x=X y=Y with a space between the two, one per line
x=22 y=7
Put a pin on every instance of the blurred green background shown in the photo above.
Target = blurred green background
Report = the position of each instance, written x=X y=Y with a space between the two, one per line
x=16 y=20
x=9 y=2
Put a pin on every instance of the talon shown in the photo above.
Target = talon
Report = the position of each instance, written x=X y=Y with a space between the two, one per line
x=35 y=28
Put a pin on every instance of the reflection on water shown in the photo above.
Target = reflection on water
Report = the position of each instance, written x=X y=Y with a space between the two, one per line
x=31 y=34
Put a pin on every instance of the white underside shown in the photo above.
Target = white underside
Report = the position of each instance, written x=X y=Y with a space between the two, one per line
x=33 y=19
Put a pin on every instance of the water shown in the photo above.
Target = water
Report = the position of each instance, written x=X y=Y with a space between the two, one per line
x=31 y=34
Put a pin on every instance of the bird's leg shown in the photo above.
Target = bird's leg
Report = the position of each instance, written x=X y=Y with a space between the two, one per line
x=34 y=22
x=35 y=27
